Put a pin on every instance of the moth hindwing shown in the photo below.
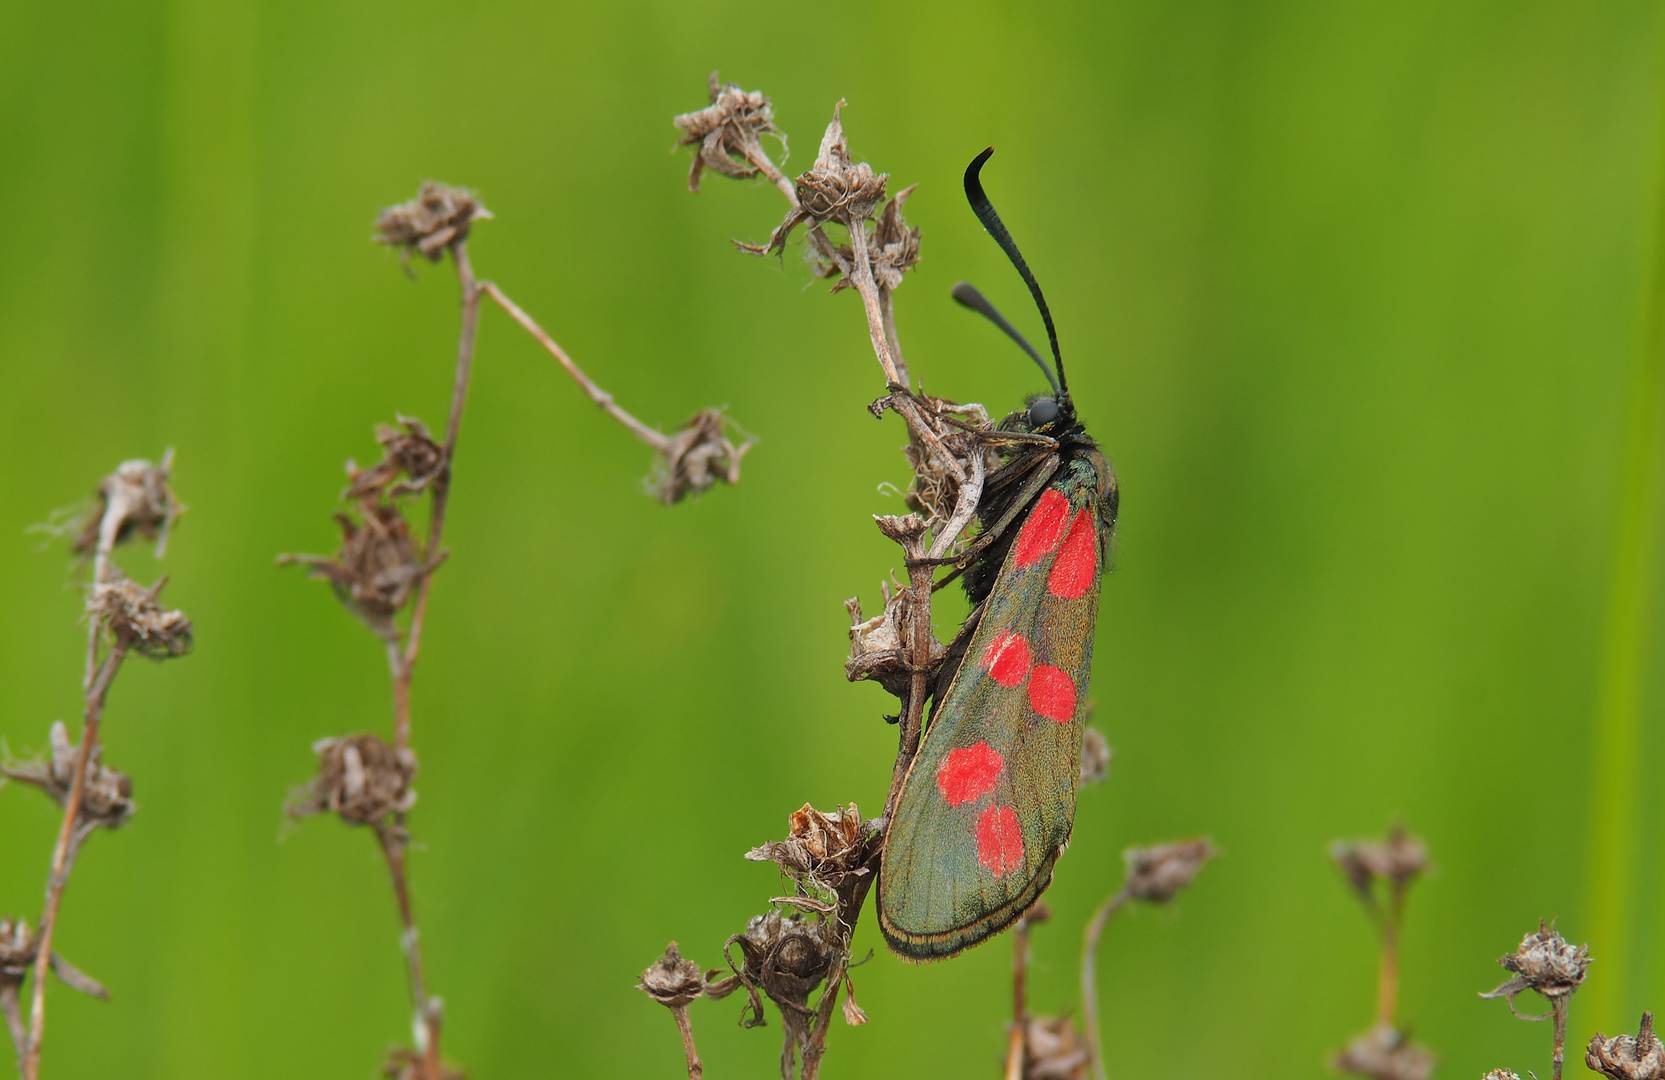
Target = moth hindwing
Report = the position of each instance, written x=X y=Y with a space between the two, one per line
x=989 y=799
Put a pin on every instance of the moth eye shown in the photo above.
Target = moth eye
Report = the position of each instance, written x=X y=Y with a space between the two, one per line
x=1044 y=411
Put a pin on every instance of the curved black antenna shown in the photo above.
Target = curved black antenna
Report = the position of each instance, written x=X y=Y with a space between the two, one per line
x=984 y=210
x=966 y=295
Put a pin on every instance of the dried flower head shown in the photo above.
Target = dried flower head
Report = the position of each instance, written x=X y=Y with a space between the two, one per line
x=359 y=777
x=135 y=500
x=1053 y=1049
x=1158 y=873
x=411 y=453
x=671 y=980
x=403 y=1063
x=937 y=467
x=1095 y=756
x=1385 y=1053
x=727 y=132
x=377 y=569
x=438 y=217
x=17 y=951
x=696 y=458
x=820 y=849
x=1501 y=1074
x=131 y=616
x=1399 y=858
x=1638 y=1057
x=1546 y=963
x=876 y=643
x=787 y=956
x=892 y=249
x=834 y=189
x=107 y=795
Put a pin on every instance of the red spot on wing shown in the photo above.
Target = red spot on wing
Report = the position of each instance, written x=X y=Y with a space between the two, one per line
x=999 y=840
x=1052 y=694
x=1042 y=528
x=1077 y=564
x=969 y=773
x=1007 y=658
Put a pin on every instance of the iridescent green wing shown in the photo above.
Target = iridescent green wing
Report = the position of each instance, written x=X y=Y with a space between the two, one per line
x=988 y=802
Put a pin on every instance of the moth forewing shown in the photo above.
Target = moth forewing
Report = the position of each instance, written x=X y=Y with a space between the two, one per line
x=989 y=800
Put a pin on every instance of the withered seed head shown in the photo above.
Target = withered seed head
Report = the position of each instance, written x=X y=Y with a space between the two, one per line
x=359 y=777
x=820 y=849
x=1545 y=962
x=134 y=500
x=671 y=980
x=1095 y=757
x=727 y=132
x=876 y=644
x=788 y=956
x=1501 y=1074
x=1158 y=873
x=1384 y=1053
x=834 y=189
x=437 y=217
x=1398 y=858
x=131 y=616
x=17 y=951
x=892 y=249
x=411 y=453
x=1053 y=1049
x=107 y=795
x=377 y=568
x=696 y=458
x=1638 y=1057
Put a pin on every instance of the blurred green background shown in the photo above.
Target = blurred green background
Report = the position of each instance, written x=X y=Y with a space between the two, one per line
x=1354 y=295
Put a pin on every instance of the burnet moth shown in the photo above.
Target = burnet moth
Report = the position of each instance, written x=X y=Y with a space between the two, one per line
x=987 y=804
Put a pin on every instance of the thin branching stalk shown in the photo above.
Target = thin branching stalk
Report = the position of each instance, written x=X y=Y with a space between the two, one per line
x=602 y=398
x=99 y=676
x=1020 y=1001
x=1089 y=976
x=1387 y=981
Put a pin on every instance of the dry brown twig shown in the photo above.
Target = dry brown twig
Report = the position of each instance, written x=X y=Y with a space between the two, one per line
x=123 y=618
x=384 y=571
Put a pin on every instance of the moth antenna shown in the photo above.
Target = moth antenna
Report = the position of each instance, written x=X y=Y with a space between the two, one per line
x=985 y=212
x=966 y=295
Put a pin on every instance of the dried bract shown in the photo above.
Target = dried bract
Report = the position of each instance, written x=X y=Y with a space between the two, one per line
x=696 y=458
x=106 y=797
x=727 y=132
x=1053 y=1049
x=671 y=980
x=17 y=951
x=411 y=453
x=834 y=189
x=1399 y=858
x=1158 y=873
x=876 y=643
x=377 y=569
x=359 y=777
x=135 y=500
x=1638 y=1057
x=436 y=218
x=131 y=616
x=1384 y=1053
x=1545 y=962
x=1501 y=1074
x=821 y=849
x=403 y=1063
x=1095 y=757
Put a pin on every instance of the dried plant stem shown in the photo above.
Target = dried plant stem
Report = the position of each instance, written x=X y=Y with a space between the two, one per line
x=1020 y=1001
x=14 y=1021
x=427 y=1010
x=1089 y=976
x=653 y=438
x=851 y=896
x=1558 y=1010
x=695 y=1069
x=70 y=837
x=1387 y=982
